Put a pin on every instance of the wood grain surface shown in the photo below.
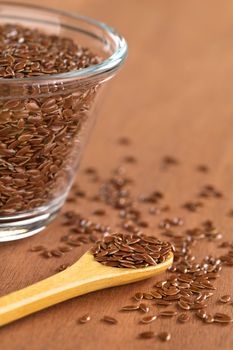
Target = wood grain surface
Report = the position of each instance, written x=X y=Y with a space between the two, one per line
x=174 y=96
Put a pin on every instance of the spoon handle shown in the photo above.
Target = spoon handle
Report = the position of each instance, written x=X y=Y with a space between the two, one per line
x=39 y=296
x=85 y=276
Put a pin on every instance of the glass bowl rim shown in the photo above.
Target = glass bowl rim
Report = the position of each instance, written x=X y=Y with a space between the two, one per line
x=108 y=65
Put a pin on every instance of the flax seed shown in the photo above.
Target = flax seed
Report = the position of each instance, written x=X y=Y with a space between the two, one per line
x=65 y=249
x=85 y=318
x=99 y=212
x=148 y=296
x=209 y=318
x=144 y=307
x=201 y=314
x=163 y=303
x=148 y=319
x=47 y=254
x=129 y=159
x=130 y=308
x=183 y=305
x=62 y=267
x=225 y=298
x=57 y=253
x=37 y=248
x=124 y=141
x=109 y=319
x=147 y=335
x=156 y=294
x=164 y=336
x=222 y=318
x=168 y=313
x=138 y=296
x=203 y=168
x=183 y=317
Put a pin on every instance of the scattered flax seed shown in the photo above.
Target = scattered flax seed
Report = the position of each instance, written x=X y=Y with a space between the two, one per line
x=57 y=253
x=156 y=295
x=230 y=213
x=148 y=319
x=148 y=296
x=167 y=223
x=170 y=160
x=147 y=335
x=190 y=282
x=154 y=211
x=62 y=267
x=144 y=307
x=203 y=168
x=124 y=141
x=164 y=336
x=138 y=296
x=224 y=245
x=192 y=206
x=222 y=318
x=168 y=313
x=81 y=194
x=71 y=200
x=225 y=298
x=209 y=191
x=183 y=305
x=74 y=243
x=99 y=212
x=183 y=317
x=163 y=303
x=109 y=319
x=90 y=171
x=85 y=318
x=47 y=254
x=201 y=314
x=143 y=224
x=130 y=308
x=129 y=159
x=154 y=198
x=65 y=249
x=208 y=318
x=37 y=248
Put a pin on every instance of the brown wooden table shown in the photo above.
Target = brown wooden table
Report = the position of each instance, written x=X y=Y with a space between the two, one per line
x=174 y=96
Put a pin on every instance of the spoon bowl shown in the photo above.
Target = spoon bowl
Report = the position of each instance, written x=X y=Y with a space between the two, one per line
x=84 y=276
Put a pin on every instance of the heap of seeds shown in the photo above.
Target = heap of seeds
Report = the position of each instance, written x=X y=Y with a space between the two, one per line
x=39 y=135
x=27 y=52
x=131 y=250
x=188 y=293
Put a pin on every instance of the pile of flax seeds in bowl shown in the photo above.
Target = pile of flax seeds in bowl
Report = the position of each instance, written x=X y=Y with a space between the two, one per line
x=43 y=124
x=185 y=295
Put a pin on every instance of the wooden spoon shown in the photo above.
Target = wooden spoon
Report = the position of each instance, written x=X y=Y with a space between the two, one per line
x=86 y=275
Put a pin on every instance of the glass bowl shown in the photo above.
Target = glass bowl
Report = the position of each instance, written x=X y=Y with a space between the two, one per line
x=45 y=120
